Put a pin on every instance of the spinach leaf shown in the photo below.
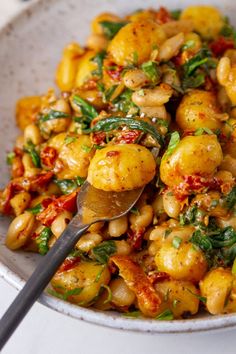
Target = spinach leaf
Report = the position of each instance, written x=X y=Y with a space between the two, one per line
x=174 y=141
x=230 y=199
x=113 y=123
x=110 y=29
x=52 y=114
x=229 y=31
x=223 y=237
x=201 y=240
x=199 y=59
x=193 y=81
x=87 y=109
x=42 y=240
x=192 y=216
x=98 y=59
x=104 y=250
x=30 y=149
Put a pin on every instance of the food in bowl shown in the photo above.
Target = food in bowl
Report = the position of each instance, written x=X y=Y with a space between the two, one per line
x=148 y=102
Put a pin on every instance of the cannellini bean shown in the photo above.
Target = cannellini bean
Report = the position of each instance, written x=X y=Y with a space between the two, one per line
x=123 y=248
x=60 y=223
x=32 y=133
x=226 y=75
x=223 y=70
x=20 y=202
x=171 y=205
x=174 y=27
x=118 y=227
x=157 y=205
x=143 y=219
x=135 y=79
x=229 y=164
x=88 y=241
x=121 y=293
x=171 y=47
x=152 y=97
x=20 y=230
x=155 y=112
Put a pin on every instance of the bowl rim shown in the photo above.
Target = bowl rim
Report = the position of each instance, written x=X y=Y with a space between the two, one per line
x=111 y=319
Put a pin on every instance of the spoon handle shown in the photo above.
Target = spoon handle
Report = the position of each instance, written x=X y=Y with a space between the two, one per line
x=41 y=276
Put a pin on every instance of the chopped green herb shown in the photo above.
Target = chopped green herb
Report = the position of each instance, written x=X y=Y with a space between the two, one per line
x=113 y=123
x=109 y=297
x=98 y=59
x=36 y=209
x=124 y=102
x=132 y=314
x=10 y=157
x=175 y=303
x=98 y=276
x=70 y=139
x=52 y=114
x=234 y=267
x=189 y=44
x=175 y=14
x=135 y=58
x=151 y=70
x=110 y=29
x=87 y=109
x=104 y=250
x=214 y=203
x=80 y=181
x=68 y=186
x=174 y=141
x=176 y=242
x=192 y=215
x=166 y=315
x=31 y=150
x=86 y=148
x=42 y=240
x=200 y=298
x=66 y=294
x=201 y=131
x=135 y=211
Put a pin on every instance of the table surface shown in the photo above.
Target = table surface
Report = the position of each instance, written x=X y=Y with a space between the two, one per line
x=45 y=331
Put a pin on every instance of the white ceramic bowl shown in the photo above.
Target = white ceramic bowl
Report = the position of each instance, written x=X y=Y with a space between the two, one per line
x=30 y=47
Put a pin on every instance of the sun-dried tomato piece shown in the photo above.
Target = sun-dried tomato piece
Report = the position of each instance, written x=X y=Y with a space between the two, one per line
x=148 y=300
x=48 y=156
x=220 y=45
x=135 y=238
x=163 y=16
x=128 y=136
x=65 y=202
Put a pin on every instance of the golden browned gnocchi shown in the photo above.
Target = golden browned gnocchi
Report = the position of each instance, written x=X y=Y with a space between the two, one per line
x=121 y=167
x=194 y=155
x=148 y=102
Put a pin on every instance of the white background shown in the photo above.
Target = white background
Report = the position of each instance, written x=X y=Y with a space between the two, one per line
x=45 y=331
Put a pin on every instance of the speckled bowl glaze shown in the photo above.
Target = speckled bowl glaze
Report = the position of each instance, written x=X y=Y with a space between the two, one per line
x=30 y=47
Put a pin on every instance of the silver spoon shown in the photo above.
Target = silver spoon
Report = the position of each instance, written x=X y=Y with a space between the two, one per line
x=93 y=205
